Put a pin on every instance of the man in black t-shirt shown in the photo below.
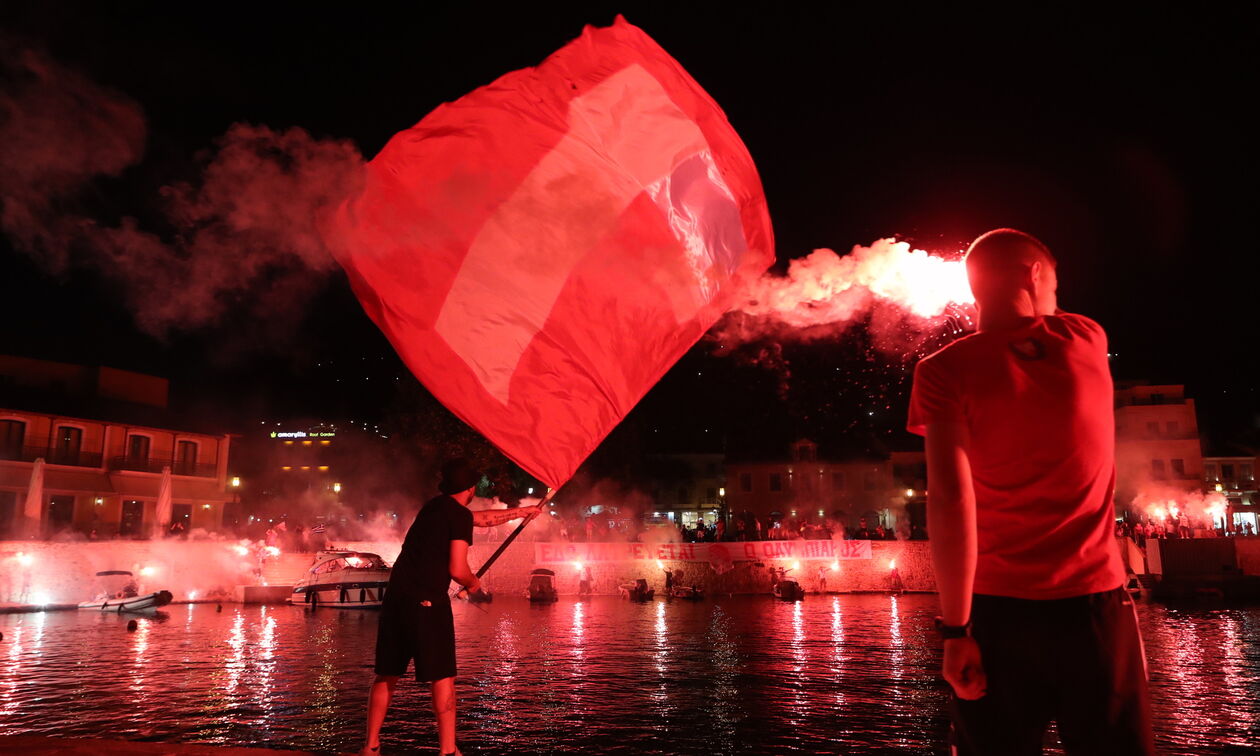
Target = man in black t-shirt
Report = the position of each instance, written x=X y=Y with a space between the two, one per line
x=416 y=623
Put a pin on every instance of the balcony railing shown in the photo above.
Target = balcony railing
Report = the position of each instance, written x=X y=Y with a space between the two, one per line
x=152 y=465
x=52 y=456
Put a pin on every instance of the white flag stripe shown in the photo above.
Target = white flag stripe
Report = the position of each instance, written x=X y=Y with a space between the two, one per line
x=625 y=134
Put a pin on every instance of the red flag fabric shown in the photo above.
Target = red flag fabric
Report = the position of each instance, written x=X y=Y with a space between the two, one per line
x=543 y=249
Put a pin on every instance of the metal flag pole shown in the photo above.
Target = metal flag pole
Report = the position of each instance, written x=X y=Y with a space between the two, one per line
x=508 y=541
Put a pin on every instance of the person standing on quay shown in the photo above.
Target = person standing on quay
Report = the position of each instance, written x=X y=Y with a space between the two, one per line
x=1020 y=446
x=416 y=623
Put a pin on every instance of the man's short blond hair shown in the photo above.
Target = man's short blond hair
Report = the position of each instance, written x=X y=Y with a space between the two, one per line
x=997 y=259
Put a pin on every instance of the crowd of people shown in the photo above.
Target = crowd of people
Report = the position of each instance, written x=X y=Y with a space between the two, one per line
x=1179 y=526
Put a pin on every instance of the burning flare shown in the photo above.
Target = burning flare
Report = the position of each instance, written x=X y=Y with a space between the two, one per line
x=824 y=288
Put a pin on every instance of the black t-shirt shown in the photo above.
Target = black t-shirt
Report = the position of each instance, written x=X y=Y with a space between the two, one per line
x=423 y=570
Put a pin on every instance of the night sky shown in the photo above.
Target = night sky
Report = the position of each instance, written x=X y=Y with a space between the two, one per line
x=1120 y=141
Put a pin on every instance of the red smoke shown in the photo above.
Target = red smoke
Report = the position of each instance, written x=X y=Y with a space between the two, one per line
x=901 y=295
x=241 y=238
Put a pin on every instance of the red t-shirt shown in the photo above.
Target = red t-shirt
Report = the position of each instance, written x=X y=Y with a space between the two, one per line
x=1037 y=402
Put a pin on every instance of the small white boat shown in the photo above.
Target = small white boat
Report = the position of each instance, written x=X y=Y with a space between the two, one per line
x=346 y=579
x=121 y=594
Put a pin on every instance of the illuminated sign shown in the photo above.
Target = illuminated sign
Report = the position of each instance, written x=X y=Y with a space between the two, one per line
x=303 y=434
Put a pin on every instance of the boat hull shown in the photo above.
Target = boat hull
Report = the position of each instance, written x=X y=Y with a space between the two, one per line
x=131 y=603
x=357 y=594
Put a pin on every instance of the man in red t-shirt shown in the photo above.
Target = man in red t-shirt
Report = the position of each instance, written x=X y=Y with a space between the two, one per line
x=1020 y=445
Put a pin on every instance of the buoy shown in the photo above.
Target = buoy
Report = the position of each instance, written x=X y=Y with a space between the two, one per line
x=132 y=625
x=1 y=636
x=219 y=608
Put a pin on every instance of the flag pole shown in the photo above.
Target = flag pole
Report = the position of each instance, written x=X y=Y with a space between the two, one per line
x=508 y=541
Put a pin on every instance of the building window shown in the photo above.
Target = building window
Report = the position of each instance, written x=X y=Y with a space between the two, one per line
x=138 y=448
x=1209 y=471
x=1227 y=471
x=1157 y=398
x=132 y=521
x=745 y=482
x=1172 y=427
x=1247 y=473
x=186 y=457
x=1178 y=468
x=1152 y=428
x=683 y=495
x=69 y=442
x=12 y=434
x=710 y=495
x=837 y=481
x=776 y=481
x=1157 y=469
x=8 y=513
x=869 y=481
x=711 y=469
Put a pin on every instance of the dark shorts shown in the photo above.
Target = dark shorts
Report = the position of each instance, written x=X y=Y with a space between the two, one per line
x=1077 y=661
x=409 y=631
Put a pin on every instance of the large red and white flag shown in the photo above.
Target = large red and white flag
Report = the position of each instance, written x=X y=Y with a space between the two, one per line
x=543 y=249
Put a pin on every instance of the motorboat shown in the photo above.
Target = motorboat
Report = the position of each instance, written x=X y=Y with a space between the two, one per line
x=344 y=579
x=788 y=590
x=542 y=586
x=686 y=592
x=636 y=591
x=119 y=593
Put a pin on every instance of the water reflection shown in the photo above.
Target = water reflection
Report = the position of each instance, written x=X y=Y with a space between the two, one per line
x=749 y=675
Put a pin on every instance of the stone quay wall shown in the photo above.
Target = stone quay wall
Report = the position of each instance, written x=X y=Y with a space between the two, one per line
x=510 y=573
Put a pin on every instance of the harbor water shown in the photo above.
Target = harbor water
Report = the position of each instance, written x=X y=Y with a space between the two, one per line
x=850 y=674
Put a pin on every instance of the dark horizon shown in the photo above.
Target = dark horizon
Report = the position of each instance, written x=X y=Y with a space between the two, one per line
x=1120 y=142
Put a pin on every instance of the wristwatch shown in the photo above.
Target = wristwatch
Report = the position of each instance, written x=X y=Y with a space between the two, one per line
x=951 y=632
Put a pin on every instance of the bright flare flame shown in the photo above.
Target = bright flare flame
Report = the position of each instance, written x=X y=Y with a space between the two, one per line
x=26 y=560
x=796 y=565
x=147 y=571
x=892 y=564
x=241 y=550
x=577 y=566
x=41 y=598
x=353 y=561
x=824 y=287
x=272 y=551
x=660 y=564
x=192 y=595
x=835 y=566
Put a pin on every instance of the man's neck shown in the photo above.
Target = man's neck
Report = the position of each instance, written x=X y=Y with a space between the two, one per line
x=1007 y=316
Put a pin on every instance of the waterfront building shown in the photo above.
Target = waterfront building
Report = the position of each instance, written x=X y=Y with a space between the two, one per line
x=98 y=472
x=1157 y=440
x=688 y=488
x=809 y=487
x=1235 y=478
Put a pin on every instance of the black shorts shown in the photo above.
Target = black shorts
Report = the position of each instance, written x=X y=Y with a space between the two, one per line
x=1077 y=661
x=409 y=631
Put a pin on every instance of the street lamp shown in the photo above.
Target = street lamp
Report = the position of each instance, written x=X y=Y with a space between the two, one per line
x=336 y=488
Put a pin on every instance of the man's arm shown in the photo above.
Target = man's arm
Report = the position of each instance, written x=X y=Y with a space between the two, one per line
x=460 y=571
x=488 y=518
x=951 y=515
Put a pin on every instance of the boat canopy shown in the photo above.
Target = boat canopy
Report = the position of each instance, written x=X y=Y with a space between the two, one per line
x=542 y=571
x=113 y=572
